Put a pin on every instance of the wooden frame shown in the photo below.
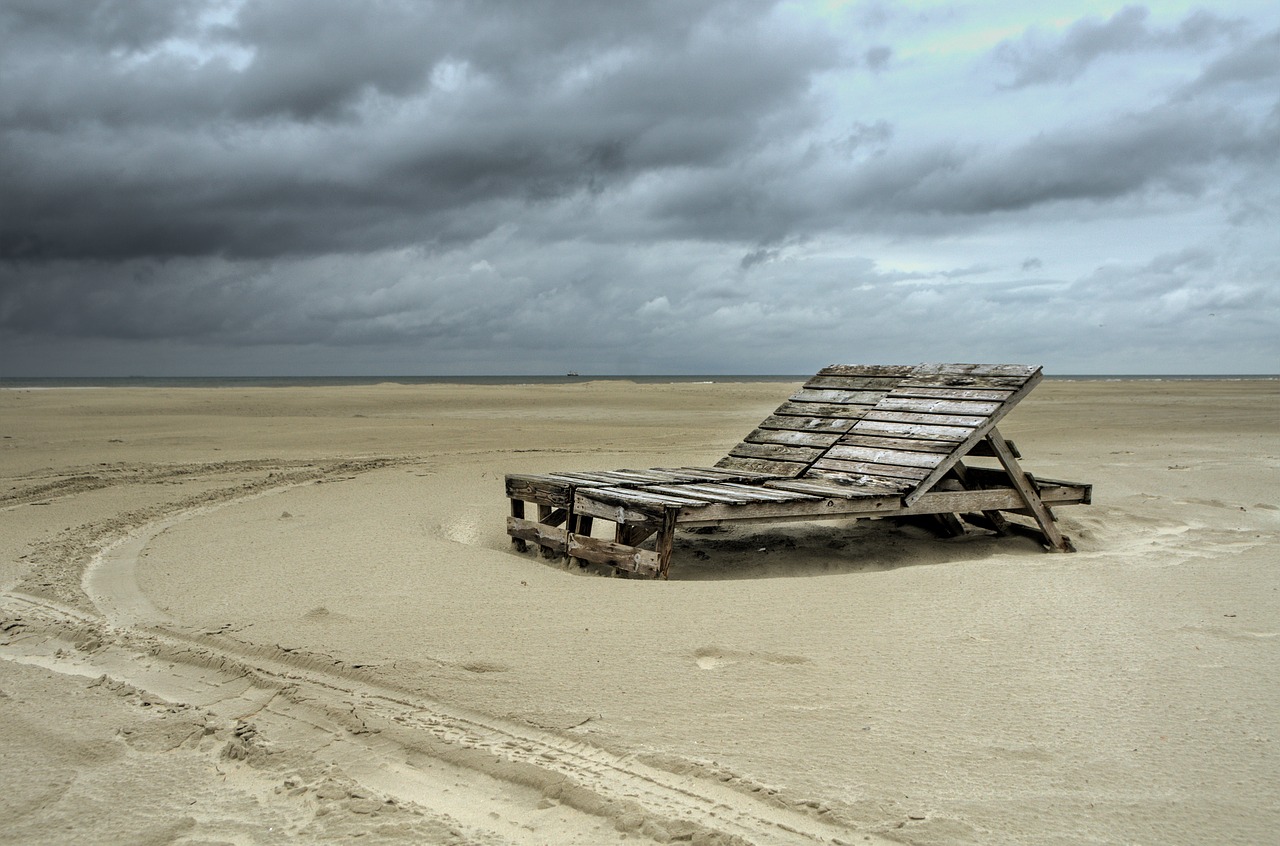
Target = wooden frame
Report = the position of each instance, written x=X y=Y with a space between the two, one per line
x=854 y=442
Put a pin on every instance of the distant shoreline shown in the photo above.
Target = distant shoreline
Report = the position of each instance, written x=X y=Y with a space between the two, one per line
x=28 y=382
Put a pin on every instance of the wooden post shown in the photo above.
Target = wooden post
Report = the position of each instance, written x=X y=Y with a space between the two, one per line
x=1043 y=516
x=517 y=510
x=666 y=538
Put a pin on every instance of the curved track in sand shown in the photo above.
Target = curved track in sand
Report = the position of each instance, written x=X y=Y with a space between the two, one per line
x=491 y=780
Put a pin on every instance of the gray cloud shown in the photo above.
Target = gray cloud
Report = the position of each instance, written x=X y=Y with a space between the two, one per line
x=700 y=186
x=1037 y=57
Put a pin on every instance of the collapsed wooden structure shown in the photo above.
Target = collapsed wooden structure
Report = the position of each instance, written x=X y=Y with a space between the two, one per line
x=855 y=441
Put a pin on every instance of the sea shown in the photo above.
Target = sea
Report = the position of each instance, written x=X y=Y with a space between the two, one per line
x=34 y=382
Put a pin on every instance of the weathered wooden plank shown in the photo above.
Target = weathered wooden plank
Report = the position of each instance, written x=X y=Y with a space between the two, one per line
x=886 y=504
x=921 y=405
x=776 y=452
x=929 y=419
x=791 y=415
x=551 y=492
x=877 y=441
x=912 y=430
x=760 y=492
x=963 y=381
x=1018 y=371
x=583 y=478
x=809 y=509
x=647 y=476
x=806 y=424
x=548 y=537
x=788 y=469
x=613 y=554
x=946 y=393
x=702 y=491
x=839 y=488
x=783 y=436
x=643 y=498
x=726 y=474
x=881 y=370
x=868 y=484
x=867 y=468
x=884 y=456
x=615 y=512
x=878 y=384
x=839 y=397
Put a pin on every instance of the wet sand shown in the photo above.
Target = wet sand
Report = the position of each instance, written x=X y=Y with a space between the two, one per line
x=251 y=614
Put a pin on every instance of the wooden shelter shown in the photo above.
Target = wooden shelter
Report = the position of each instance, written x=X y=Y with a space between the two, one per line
x=855 y=441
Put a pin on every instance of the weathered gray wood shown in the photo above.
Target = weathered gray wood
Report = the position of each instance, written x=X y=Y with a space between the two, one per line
x=853 y=442
x=963 y=381
x=776 y=452
x=884 y=456
x=851 y=383
x=870 y=484
x=952 y=393
x=962 y=421
x=781 y=436
x=875 y=440
x=789 y=469
x=867 y=468
x=839 y=397
x=728 y=475
x=546 y=537
x=893 y=371
x=643 y=497
x=726 y=492
x=1016 y=371
x=921 y=405
x=844 y=411
x=547 y=491
x=613 y=554
x=840 y=488
x=919 y=431
x=1044 y=517
x=978 y=434
x=665 y=540
x=617 y=512
x=806 y=424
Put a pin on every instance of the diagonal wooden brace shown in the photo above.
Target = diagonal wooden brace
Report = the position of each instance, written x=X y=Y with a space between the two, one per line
x=1027 y=492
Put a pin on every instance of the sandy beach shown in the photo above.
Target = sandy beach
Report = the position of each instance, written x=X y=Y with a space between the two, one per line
x=253 y=615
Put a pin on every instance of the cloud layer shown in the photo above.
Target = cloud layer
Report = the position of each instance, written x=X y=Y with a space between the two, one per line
x=307 y=186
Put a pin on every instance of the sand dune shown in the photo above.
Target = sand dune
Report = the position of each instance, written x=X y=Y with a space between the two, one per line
x=247 y=615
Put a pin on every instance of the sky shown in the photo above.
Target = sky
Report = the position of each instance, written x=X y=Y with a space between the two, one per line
x=458 y=187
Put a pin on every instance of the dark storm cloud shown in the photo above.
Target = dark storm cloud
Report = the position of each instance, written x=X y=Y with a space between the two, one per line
x=663 y=186
x=348 y=131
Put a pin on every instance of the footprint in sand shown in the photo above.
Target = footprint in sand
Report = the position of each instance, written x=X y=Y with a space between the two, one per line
x=713 y=658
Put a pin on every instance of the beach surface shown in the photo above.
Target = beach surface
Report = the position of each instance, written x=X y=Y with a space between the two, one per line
x=259 y=615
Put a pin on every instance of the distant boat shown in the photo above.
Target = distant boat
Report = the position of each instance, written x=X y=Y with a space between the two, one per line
x=572 y=373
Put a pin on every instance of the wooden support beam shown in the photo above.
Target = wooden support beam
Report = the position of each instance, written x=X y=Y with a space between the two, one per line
x=517 y=511
x=1027 y=492
x=617 y=555
x=666 y=538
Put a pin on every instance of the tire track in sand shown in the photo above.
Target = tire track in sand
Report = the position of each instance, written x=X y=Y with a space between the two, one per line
x=495 y=777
